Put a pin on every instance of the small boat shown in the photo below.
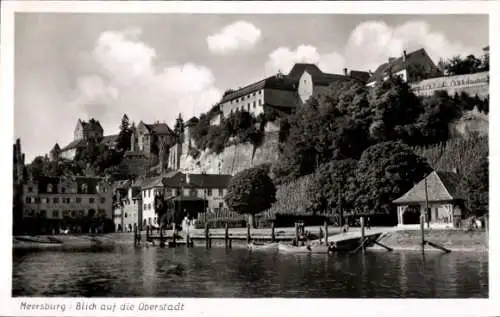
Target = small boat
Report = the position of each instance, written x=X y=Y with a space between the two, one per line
x=267 y=246
x=312 y=248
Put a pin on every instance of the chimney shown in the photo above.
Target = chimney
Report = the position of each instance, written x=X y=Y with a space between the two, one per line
x=404 y=56
x=345 y=71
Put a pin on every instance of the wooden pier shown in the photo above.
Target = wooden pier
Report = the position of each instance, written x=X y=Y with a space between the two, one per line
x=347 y=241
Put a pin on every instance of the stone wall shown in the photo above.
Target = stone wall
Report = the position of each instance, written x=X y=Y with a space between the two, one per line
x=472 y=84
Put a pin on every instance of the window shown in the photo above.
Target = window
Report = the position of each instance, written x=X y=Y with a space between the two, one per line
x=149 y=220
x=55 y=214
x=253 y=94
x=209 y=192
x=55 y=200
x=73 y=213
x=126 y=215
x=30 y=189
x=63 y=190
x=91 y=200
x=49 y=188
x=43 y=213
x=154 y=221
x=45 y=200
x=254 y=104
x=221 y=192
x=66 y=213
x=260 y=92
x=192 y=192
x=149 y=192
x=144 y=193
x=28 y=200
x=221 y=205
x=37 y=200
x=84 y=188
x=103 y=200
x=78 y=200
x=248 y=107
x=260 y=102
x=145 y=207
x=168 y=192
x=68 y=200
x=81 y=213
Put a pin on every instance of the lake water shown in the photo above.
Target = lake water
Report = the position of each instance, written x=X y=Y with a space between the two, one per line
x=124 y=271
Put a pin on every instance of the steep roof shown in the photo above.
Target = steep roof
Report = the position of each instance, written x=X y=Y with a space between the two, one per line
x=72 y=145
x=159 y=128
x=176 y=179
x=360 y=75
x=110 y=138
x=441 y=186
x=281 y=82
x=318 y=77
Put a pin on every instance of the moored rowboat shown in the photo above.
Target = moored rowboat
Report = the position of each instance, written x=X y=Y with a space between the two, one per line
x=286 y=248
x=268 y=246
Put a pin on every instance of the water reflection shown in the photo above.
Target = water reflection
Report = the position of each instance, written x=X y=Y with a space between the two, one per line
x=197 y=272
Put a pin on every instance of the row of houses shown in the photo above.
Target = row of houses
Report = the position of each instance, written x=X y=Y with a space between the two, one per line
x=187 y=195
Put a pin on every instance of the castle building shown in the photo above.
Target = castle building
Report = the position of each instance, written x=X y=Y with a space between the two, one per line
x=83 y=131
x=282 y=93
x=77 y=203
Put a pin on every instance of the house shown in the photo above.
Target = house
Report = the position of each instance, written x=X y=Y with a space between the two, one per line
x=446 y=204
x=411 y=67
x=146 y=138
x=281 y=93
x=127 y=206
x=81 y=203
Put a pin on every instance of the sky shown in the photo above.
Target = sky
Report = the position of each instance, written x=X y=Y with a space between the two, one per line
x=154 y=66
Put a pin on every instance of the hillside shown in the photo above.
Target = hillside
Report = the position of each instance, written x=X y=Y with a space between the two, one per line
x=234 y=158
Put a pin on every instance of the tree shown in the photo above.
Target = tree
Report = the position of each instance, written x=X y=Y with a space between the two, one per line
x=123 y=141
x=460 y=66
x=250 y=192
x=476 y=186
x=331 y=187
x=385 y=172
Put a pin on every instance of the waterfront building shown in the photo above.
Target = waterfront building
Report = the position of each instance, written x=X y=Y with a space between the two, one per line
x=411 y=67
x=127 y=206
x=185 y=194
x=78 y=203
x=446 y=204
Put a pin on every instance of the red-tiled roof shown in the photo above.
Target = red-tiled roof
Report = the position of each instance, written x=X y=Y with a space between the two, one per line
x=319 y=78
x=441 y=186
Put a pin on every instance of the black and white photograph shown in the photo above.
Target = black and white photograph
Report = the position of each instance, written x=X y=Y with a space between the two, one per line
x=247 y=155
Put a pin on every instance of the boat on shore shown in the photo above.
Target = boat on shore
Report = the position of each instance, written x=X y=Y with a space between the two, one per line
x=263 y=247
x=311 y=248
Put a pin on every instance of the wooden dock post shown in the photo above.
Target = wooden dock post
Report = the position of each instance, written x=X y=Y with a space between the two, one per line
x=135 y=235
x=249 y=237
x=162 y=240
x=147 y=233
x=297 y=234
x=188 y=242
x=362 y=223
x=326 y=232
x=207 y=235
x=226 y=236
x=174 y=233
x=273 y=236
x=230 y=243
x=422 y=231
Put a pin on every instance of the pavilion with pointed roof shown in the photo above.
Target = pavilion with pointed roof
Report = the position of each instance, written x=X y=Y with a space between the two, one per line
x=440 y=190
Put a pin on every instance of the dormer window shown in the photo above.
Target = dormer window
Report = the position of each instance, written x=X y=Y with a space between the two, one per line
x=49 y=188
x=84 y=188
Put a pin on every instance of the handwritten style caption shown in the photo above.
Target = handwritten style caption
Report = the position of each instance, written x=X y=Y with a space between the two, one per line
x=107 y=307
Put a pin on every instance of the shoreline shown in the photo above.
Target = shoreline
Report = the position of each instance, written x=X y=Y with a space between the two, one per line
x=397 y=239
